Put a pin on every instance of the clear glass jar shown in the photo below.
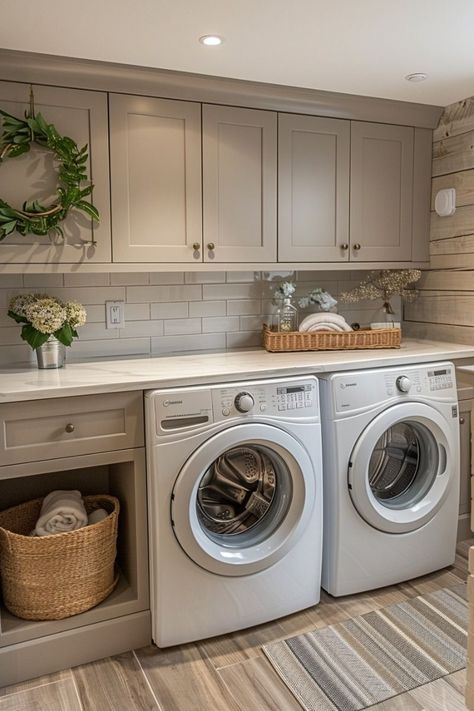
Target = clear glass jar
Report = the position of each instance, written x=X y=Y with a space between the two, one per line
x=287 y=316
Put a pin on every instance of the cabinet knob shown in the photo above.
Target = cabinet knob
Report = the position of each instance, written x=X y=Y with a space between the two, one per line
x=211 y=246
x=196 y=246
x=357 y=246
x=344 y=246
x=69 y=427
x=462 y=420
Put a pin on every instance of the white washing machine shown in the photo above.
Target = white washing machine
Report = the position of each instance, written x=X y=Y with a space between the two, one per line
x=391 y=475
x=235 y=505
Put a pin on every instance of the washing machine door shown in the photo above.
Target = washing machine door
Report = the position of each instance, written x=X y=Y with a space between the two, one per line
x=243 y=499
x=401 y=468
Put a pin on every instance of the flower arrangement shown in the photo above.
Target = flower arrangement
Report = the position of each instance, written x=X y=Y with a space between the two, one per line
x=319 y=297
x=384 y=285
x=45 y=316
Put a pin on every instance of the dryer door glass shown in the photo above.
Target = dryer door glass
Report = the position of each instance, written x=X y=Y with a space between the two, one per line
x=403 y=464
x=244 y=495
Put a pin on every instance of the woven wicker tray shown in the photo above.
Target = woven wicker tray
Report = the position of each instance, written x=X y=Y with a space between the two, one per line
x=279 y=342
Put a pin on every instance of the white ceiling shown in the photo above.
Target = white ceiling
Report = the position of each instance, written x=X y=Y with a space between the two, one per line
x=355 y=46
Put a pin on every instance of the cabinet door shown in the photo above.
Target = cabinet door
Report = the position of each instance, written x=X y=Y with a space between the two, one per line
x=155 y=155
x=239 y=182
x=313 y=189
x=381 y=192
x=82 y=115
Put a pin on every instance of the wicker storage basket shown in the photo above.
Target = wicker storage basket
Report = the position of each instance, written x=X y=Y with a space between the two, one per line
x=278 y=341
x=57 y=576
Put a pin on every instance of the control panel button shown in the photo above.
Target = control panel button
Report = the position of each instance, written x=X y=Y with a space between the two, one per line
x=244 y=402
x=403 y=383
x=225 y=411
x=263 y=407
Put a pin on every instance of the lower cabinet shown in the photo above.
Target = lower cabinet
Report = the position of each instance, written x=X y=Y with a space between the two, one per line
x=465 y=424
x=122 y=621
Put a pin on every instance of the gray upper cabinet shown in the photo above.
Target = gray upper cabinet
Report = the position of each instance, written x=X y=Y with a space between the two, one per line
x=313 y=189
x=381 y=192
x=239 y=184
x=155 y=152
x=82 y=115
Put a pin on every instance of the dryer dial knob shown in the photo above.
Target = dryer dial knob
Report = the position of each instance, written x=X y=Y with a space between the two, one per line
x=403 y=383
x=244 y=402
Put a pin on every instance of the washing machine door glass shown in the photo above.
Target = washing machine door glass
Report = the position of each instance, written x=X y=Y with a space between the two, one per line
x=243 y=498
x=401 y=467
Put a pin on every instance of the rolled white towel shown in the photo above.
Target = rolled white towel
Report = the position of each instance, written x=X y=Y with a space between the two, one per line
x=335 y=327
x=61 y=511
x=96 y=516
x=324 y=317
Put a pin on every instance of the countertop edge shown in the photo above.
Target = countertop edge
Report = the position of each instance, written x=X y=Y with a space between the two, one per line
x=98 y=377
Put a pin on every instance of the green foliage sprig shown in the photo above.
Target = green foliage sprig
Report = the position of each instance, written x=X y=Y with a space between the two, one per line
x=17 y=137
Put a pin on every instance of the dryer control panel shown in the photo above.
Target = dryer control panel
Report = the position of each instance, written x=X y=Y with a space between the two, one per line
x=359 y=390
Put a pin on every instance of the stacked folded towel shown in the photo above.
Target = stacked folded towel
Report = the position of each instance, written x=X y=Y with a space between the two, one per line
x=63 y=511
x=324 y=322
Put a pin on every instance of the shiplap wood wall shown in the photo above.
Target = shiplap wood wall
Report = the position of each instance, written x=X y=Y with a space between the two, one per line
x=445 y=307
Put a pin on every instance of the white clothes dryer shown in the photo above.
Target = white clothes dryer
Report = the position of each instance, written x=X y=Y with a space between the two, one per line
x=391 y=475
x=235 y=505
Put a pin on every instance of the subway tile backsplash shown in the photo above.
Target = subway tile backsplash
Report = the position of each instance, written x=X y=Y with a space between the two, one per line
x=169 y=312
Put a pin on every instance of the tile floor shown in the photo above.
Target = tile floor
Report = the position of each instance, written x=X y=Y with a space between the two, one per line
x=227 y=673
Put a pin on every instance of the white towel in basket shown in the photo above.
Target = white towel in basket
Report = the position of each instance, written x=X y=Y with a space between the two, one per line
x=329 y=322
x=61 y=511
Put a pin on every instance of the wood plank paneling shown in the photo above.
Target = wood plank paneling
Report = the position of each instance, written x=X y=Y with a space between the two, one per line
x=455 y=309
x=453 y=154
x=456 y=118
x=461 y=223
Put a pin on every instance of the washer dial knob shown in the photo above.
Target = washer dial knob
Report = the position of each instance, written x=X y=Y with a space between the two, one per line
x=403 y=383
x=244 y=402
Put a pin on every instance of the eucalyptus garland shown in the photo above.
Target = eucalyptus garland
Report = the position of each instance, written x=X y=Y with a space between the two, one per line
x=35 y=218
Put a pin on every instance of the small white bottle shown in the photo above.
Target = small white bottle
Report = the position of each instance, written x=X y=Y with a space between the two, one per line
x=287 y=316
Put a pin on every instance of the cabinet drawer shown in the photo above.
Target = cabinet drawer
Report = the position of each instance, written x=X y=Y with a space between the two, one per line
x=61 y=427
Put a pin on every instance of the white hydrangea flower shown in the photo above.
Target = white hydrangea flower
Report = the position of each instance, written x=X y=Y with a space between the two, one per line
x=19 y=302
x=46 y=314
x=75 y=313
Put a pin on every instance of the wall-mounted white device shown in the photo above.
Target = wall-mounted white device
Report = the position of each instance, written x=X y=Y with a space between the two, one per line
x=115 y=314
x=445 y=202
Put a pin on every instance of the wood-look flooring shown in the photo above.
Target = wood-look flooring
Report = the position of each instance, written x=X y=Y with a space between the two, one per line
x=228 y=673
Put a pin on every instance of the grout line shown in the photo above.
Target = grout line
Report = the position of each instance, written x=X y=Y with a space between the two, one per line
x=30 y=688
x=147 y=681
x=76 y=689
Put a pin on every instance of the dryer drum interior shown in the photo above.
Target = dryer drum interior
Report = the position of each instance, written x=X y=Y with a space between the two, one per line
x=403 y=465
x=244 y=494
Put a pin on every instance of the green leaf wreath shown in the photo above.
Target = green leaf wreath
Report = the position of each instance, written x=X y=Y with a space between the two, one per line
x=16 y=139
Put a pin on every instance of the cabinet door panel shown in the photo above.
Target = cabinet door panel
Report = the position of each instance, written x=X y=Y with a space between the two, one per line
x=381 y=192
x=82 y=115
x=239 y=182
x=155 y=148
x=313 y=188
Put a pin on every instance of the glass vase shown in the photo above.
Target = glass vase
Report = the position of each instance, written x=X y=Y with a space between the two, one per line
x=51 y=354
x=287 y=316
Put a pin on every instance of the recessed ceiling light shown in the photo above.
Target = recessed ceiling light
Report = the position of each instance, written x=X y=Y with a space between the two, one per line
x=211 y=40
x=416 y=76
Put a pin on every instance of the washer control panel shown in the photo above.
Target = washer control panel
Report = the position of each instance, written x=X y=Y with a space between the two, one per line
x=440 y=379
x=298 y=398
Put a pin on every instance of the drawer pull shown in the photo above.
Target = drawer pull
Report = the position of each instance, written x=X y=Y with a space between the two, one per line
x=461 y=420
x=69 y=427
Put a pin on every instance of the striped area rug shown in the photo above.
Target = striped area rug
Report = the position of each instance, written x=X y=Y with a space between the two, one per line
x=365 y=660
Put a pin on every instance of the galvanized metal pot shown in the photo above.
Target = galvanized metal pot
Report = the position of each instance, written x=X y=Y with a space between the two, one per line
x=51 y=354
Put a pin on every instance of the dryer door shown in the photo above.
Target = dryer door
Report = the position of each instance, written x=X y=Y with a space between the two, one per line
x=243 y=499
x=401 y=468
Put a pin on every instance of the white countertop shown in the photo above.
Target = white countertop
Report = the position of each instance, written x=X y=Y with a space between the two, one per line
x=140 y=374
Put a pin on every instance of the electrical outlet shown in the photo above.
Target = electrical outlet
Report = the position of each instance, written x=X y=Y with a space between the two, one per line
x=115 y=314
